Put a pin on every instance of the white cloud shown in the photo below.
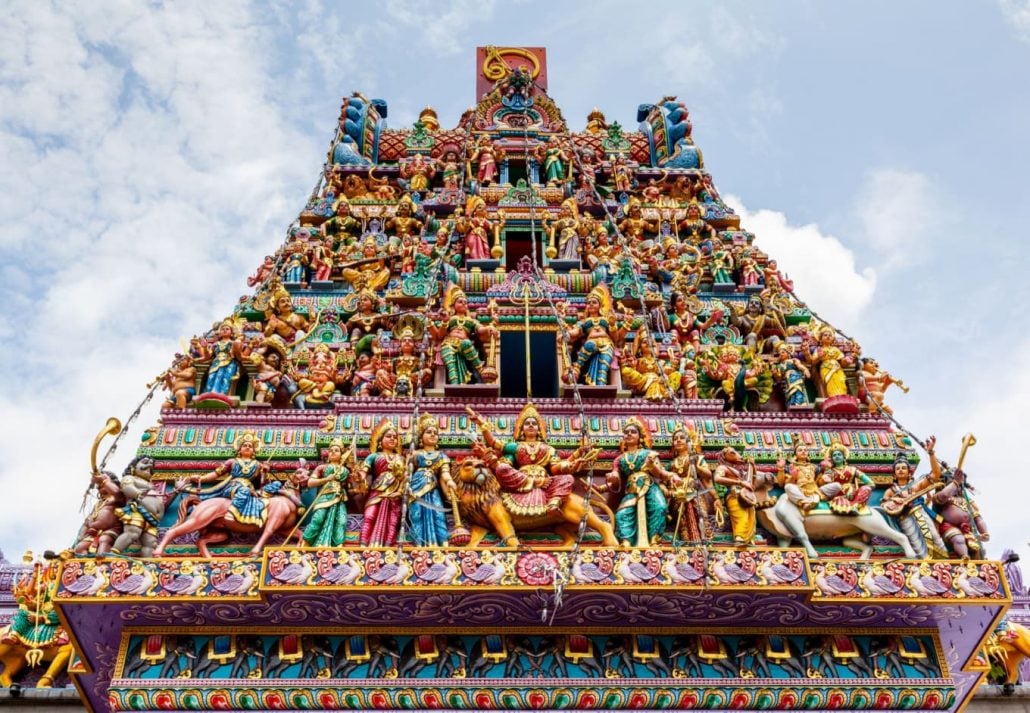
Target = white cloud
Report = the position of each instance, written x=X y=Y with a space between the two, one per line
x=823 y=269
x=1017 y=15
x=899 y=213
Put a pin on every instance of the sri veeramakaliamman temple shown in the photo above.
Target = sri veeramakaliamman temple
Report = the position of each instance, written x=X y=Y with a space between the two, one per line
x=520 y=416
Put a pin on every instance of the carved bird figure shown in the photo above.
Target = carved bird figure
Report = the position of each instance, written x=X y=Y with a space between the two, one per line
x=186 y=582
x=832 y=584
x=435 y=569
x=480 y=570
x=344 y=573
x=239 y=582
x=637 y=568
x=679 y=570
x=729 y=572
x=924 y=584
x=587 y=571
x=136 y=581
x=878 y=584
x=298 y=571
x=774 y=571
x=390 y=573
x=972 y=585
x=89 y=581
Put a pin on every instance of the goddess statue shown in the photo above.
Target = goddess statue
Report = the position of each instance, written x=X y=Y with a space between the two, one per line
x=225 y=355
x=368 y=269
x=855 y=486
x=640 y=517
x=238 y=479
x=691 y=491
x=431 y=473
x=831 y=361
x=328 y=524
x=388 y=469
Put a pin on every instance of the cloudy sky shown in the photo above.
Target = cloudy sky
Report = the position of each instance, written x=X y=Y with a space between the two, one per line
x=152 y=153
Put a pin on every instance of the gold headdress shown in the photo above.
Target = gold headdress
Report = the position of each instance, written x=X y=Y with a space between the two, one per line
x=425 y=421
x=342 y=200
x=369 y=294
x=377 y=434
x=595 y=113
x=429 y=119
x=570 y=203
x=370 y=241
x=694 y=439
x=338 y=442
x=473 y=204
x=645 y=432
x=601 y=294
x=451 y=296
x=247 y=437
x=694 y=204
x=836 y=445
x=406 y=333
x=406 y=199
x=529 y=411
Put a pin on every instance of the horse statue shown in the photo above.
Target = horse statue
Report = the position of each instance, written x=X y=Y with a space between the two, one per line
x=478 y=501
x=208 y=518
x=1006 y=649
x=788 y=522
x=35 y=634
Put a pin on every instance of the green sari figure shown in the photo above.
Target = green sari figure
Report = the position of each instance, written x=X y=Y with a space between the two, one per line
x=328 y=525
x=640 y=518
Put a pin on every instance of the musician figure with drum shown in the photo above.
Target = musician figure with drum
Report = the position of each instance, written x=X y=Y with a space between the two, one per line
x=735 y=484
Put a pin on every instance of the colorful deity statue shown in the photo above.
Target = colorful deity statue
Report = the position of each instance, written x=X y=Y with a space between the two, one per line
x=327 y=515
x=455 y=333
x=799 y=478
x=691 y=493
x=539 y=480
x=875 y=382
x=600 y=331
x=684 y=318
x=408 y=371
x=431 y=473
x=263 y=272
x=343 y=227
x=755 y=320
x=484 y=156
x=322 y=258
x=634 y=227
x=640 y=517
x=406 y=222
x=564 y=232
x=144 y=507
x=721 y=265
x=622 y=175
x=831 y=362
x=732 y=373
x=102 y=526
x=734 y=481
x=388 y=469
x=684 y=361
x=315 y=388
x=555 y=165
x=239 y=480
x=282 y=319
x=958 y=517
x=791 y=374
x=295 y=267
x=225 y=353
x=367 y=364
x=906 y=501
x=451 y=171
x=855 y=486
x=181 y=382
x=35 y=633
x=367 y=269
x=368 y=319
x=272 y=364
x=751 y=276
x=694 y=229
x=596 y=123
x=419 y=171
x=478 y=230
x=642 y=372
x=601 y=254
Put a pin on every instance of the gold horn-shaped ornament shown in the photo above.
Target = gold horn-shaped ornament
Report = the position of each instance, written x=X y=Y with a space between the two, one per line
x=111 y=428
x=967 y=440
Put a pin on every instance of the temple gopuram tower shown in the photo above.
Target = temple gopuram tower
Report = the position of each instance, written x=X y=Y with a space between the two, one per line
x=520 y=416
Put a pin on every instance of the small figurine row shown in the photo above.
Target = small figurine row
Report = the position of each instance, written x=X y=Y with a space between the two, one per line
x=525 y=485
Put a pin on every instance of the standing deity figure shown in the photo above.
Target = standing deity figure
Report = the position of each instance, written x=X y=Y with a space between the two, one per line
x=451 y=171
x=790 y=372
x=534 y=479
x=601 y=254
x=406 y=222
x=266 y=268
x=640 y=517
x=406 y=372
x=876 y=381
x=144 y=507
x=905 y=501
x=555 y=162
x=732 y=372
x=694 y=229
x=958 y=517
x=478 y=230
x=180 y=381
x=735 y=484
x=600 y=330
x=484 y=156
x=103 y=525
x=322 y=261
x=692 y=496
x=564 y=232
x=634 y=227
x=272 y=364
x=750 y=274
x=431 y=473
x=281 y=319
x=419 y=171
x=388 y=470
x=855 y=486
x=831 y=361
x=327 y=526
x=622 y=175
x=368 y=319
x=295 y=269
x=642 y=372
x=455 y=332
x=225 y=354
x=343 y=227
